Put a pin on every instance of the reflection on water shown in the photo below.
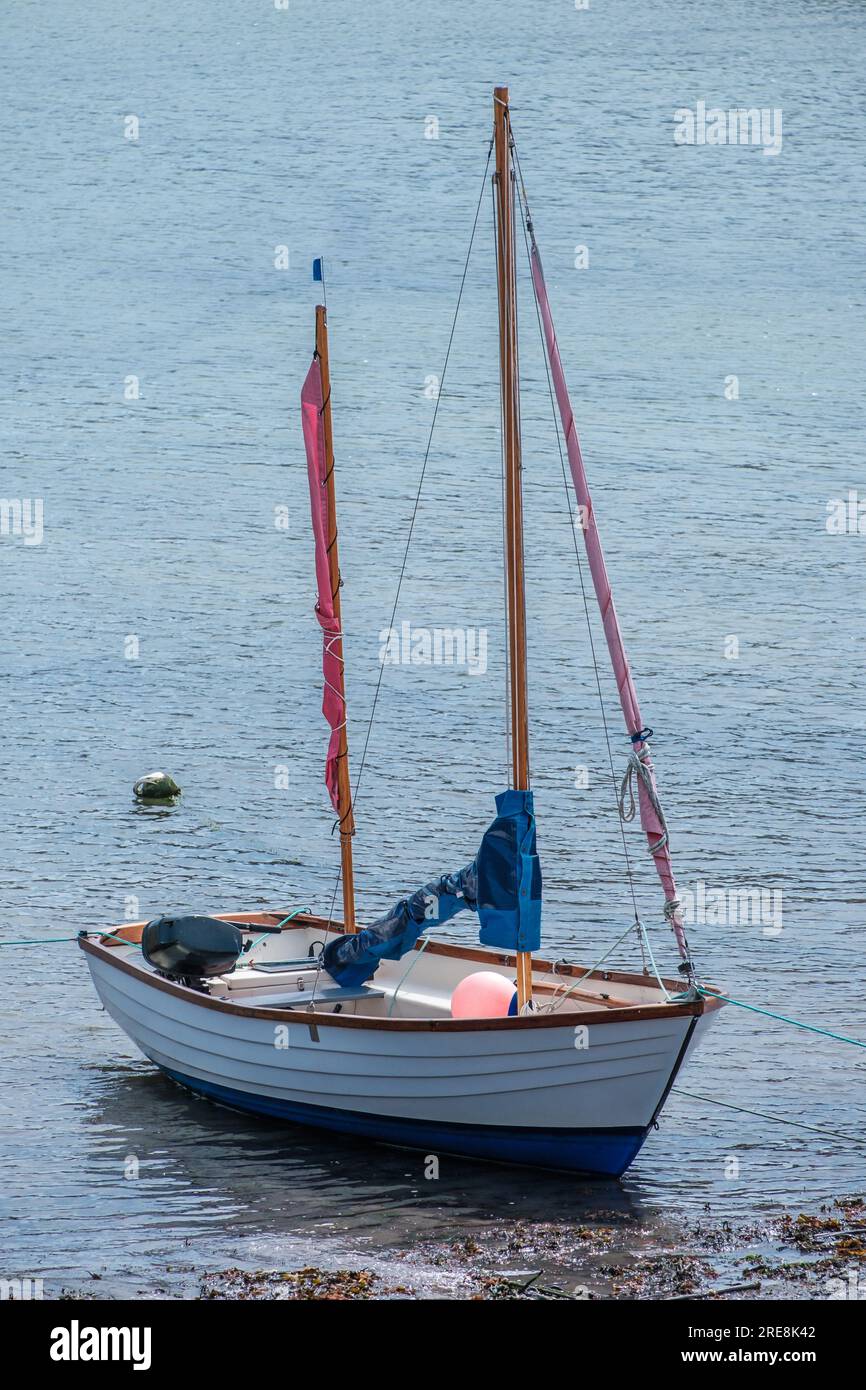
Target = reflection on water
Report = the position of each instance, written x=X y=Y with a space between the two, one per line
x=234 y=1189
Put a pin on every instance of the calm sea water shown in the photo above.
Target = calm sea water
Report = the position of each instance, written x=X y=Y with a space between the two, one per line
x=155 y=259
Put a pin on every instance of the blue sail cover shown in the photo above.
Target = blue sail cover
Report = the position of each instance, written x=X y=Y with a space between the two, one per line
x=509 y=876
x=502 y=884
x=353 y=958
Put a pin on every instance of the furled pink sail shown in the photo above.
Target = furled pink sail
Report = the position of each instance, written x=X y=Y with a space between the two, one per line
x=650 y=811
x=333 y=702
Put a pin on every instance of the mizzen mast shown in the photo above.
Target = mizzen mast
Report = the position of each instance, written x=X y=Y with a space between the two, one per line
x=344 y=789
x=503 y=184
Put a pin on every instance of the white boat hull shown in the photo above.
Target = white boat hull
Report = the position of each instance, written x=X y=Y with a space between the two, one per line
x=573 y=1095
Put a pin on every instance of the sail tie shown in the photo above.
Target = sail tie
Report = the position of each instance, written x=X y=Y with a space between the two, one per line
x=332 y=640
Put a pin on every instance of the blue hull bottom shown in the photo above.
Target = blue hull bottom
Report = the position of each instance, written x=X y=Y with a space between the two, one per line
x=594 y=1152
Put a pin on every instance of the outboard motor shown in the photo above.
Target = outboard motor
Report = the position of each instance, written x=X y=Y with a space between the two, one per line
x=191 y=947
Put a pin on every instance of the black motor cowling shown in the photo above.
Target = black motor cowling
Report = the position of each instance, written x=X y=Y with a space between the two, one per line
x=193 y=947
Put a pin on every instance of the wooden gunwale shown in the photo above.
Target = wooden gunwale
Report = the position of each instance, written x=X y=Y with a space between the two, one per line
x=605 y=1014
x=131 y=932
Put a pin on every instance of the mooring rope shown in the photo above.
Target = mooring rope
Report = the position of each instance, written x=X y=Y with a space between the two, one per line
x=47 y=940
x=558 y=1000
x=112 y=936
x=781 y=1018
x=545 y=1008
x=765 y=1115
x=297 y=912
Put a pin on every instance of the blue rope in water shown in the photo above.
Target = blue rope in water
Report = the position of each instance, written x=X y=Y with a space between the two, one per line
x=47 y=940
x=781 y=1018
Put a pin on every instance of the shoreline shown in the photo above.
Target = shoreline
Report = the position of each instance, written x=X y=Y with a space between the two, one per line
x=807 y=1256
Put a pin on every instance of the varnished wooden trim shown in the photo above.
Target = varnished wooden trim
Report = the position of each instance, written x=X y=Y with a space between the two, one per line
x=640 y=1012
x=132 y=930
x=504 y=958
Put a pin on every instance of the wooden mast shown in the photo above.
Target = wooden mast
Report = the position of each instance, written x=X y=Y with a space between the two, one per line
x=508 y=373
x=344 y=788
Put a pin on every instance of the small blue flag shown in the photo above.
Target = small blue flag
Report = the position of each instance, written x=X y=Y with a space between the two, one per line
x=317 y=268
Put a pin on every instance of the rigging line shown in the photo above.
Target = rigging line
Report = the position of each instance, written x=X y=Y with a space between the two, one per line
x=765 y=1115
x=424 y=464
x=646 y=946
x=559 y=999
x=417 y=954
x=524 y=211
x=687 y=962
x=414 y=516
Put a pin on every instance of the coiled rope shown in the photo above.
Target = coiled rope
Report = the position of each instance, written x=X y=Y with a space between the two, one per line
x=637 y=771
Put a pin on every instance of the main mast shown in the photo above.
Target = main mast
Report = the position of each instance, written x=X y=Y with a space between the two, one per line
x=503 y=183
x=344 y=788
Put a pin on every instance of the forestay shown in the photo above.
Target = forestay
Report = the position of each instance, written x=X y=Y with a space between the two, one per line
x=651 y=815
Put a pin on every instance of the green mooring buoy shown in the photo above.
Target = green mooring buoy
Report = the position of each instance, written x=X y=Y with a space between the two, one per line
x=156 y=786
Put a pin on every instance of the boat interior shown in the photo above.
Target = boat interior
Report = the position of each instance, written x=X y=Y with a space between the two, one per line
x=279 y=970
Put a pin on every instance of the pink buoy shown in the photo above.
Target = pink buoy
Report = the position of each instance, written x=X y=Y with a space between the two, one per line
x=484 y=995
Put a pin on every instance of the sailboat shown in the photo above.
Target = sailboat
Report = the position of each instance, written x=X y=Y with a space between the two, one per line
x=494 y=1050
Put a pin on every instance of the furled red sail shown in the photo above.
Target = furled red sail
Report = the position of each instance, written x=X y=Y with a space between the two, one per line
x=333 y=703
x=651 y=815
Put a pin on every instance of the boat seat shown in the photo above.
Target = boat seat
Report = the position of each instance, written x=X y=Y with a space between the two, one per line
x=271 y=967
x=294 y=999
x=248 y=977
